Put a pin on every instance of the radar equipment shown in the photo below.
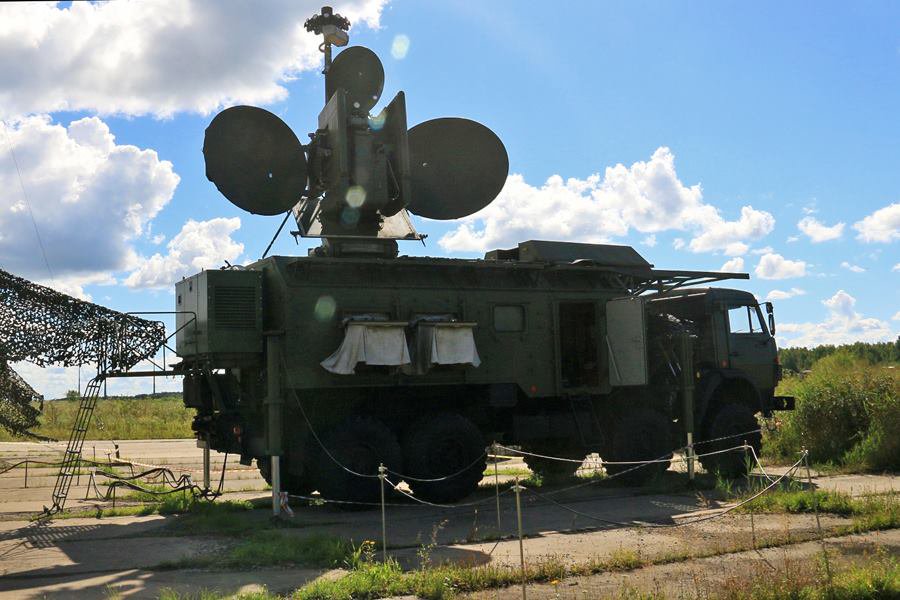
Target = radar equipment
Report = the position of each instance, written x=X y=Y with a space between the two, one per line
x=360 y=176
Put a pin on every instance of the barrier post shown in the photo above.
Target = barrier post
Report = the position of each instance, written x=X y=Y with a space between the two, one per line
x=750 y=490
x=818 y=522
x=382 y=473
x=518 y=490
x=497 y=484
x=26 y=472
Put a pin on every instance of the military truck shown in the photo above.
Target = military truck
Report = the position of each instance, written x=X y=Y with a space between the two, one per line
x=552 y=347
x=323 y=367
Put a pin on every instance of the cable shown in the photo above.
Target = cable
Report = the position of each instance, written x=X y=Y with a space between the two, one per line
x=37 y=233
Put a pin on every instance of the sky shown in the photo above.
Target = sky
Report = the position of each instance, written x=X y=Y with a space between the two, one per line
x=754 y=137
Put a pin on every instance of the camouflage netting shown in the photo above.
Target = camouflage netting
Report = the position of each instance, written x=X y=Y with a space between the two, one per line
x=46 y=327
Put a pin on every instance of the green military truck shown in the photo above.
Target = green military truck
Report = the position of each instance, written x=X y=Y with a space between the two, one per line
x=323 y=367
x=419 y=363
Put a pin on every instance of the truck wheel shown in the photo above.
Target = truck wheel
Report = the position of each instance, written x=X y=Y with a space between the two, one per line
x=444 y=445
x=730 y=420
x=640 y=434
x=549 y=470
x=359 y=444
x=290 y=483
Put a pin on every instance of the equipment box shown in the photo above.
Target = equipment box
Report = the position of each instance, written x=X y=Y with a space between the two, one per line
x=227 y=306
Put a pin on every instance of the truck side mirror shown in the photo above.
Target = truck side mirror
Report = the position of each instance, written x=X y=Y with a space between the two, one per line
x=770 y=310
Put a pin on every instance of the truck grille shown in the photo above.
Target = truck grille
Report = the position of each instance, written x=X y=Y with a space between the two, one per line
x=235 y=307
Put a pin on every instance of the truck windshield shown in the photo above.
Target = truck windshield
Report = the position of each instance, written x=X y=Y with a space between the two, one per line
x=745 y=319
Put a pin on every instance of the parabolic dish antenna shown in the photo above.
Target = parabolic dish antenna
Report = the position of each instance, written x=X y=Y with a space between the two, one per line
x=457 y=167
x=255 y=160
x=357 y=70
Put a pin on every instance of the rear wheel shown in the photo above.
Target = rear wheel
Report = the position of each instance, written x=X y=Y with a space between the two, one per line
x=638 y=435
x=360 y=444
x=444 y=445
x=730 y=421
x=551 y=470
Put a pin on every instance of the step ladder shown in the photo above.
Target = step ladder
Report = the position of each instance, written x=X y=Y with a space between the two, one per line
x=71 y=461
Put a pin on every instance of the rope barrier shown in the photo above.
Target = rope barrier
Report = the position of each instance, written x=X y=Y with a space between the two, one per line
x=775 y=482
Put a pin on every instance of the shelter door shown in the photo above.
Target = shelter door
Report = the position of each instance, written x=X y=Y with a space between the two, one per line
x=578 y=353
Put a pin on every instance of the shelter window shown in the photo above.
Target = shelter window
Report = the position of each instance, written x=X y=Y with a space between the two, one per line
x=509 y=318
x=745 y=319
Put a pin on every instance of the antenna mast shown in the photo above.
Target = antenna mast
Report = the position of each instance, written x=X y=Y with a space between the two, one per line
x=334 y=27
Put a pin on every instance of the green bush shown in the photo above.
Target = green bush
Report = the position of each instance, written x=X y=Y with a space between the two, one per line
x=847 y=413
x=162 y=417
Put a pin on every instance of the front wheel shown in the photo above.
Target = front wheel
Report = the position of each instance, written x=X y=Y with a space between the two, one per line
x=737 y=423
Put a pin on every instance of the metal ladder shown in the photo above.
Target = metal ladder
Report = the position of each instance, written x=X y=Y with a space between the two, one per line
x=72 y=458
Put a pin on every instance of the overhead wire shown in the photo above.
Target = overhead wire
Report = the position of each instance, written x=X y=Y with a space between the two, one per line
x=37 y=232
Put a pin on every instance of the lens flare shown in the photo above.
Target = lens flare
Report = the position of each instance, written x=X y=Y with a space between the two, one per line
x=325 y=308
x=400 y=46
x=356 y=196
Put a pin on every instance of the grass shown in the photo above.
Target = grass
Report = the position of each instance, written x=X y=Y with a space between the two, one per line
x=201 y=516
x=117 y=419
x=847 y=415
x=876 y=579
x=270 y=548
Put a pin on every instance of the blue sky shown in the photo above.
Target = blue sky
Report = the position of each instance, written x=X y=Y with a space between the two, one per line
x=708 y=109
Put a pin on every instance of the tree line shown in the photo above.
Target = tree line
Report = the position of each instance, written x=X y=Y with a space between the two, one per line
x=802 y=359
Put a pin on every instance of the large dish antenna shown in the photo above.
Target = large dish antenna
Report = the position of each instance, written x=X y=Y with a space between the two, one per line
x=359 y=71
x=457 y=167
x=255 y=160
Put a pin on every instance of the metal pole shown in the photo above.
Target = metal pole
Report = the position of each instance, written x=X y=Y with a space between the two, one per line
x=274 y=422
x=26 y=473
x=518 y=490
x=276 y=485
x=382 y=473
x=206 y=477
x=497 y=485
x=687 y=382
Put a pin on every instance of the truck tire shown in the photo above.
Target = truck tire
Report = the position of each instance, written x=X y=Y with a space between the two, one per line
x=729 y=420
x=441 y=445
x=359 y=444
x=550 y=470
x=639 y=434
x=290 y=483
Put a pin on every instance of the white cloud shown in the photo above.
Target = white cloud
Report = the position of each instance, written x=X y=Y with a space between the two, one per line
x=883 y=225
x=91 y=199
x=733 y=265
x=775 y=266
x=793 y=238
x=159 y=57
x=896 y=316
x=853 y=268
x=842 y=326
x=896 y=267
x=647 y=196
x=817 y=231
x=784 y=295
x=678 y=243
x=199 y=245
x=764 y=250
x=649 y=241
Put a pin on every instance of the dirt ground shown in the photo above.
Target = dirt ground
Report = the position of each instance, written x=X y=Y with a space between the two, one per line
x=90 y=558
